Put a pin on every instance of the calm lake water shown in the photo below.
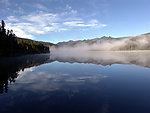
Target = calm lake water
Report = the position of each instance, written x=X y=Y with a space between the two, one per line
x=88 y=82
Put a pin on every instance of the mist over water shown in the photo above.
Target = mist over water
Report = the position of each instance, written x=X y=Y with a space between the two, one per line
x=104 y=57
x=140 y=42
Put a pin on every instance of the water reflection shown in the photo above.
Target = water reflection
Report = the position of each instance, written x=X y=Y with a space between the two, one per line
x=10 y=66
x=74 y=84
x=14 y=66
x=51 y=80
x=141 y=58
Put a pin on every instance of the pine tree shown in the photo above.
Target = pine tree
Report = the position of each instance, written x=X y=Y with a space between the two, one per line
x=3 y=30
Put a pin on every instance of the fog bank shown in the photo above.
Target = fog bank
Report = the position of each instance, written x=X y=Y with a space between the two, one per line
x=141 y=42
x=140 y=58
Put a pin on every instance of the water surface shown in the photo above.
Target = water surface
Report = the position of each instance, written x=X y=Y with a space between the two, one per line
x=90 y=82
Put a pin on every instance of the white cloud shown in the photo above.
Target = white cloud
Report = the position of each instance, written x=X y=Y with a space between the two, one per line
x=41 y=18
x=69 y=11
x=91 y=23
x=43 y=22
x=73 y=23
x=35 y=24
x=19 y=32
x=12 y=18
x=103 y=25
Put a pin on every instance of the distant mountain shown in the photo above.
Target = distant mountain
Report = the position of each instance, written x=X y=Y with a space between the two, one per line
x=141 y=42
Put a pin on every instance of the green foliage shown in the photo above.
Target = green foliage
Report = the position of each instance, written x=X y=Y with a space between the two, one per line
x=11 y=45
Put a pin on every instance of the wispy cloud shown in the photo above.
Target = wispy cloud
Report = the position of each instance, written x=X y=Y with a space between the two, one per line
x=41 y=7
x=12 y=18
x=34 y=24
x=71 y=10
x=19 y=32
x=41 y=22
x=41 y=18
x=91 y=23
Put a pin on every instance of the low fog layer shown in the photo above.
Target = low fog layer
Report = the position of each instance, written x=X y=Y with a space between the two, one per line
x=104 y=57
x=141 y=42
x=105 y=51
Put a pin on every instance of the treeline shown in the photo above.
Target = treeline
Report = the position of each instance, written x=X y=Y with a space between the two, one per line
x=11 y=45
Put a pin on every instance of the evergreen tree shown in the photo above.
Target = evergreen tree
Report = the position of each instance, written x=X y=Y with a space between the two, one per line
x=10 y=44
x=3 y=30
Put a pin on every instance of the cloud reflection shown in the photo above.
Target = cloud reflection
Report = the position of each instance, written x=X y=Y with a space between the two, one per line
x=47 y=81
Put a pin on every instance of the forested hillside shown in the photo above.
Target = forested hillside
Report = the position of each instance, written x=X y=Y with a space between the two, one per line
x=11 y=45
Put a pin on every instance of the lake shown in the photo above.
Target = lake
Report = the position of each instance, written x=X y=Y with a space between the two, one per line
x=85 y=82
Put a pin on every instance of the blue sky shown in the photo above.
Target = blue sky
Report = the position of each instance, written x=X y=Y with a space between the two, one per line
x=64 y=20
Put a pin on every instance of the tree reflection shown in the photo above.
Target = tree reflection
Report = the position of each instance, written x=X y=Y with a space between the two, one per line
x=10 y=66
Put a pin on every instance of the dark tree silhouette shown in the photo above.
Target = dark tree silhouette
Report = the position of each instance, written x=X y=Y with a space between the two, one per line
x=3 y=24
x=3 y=27
x=11 y=45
